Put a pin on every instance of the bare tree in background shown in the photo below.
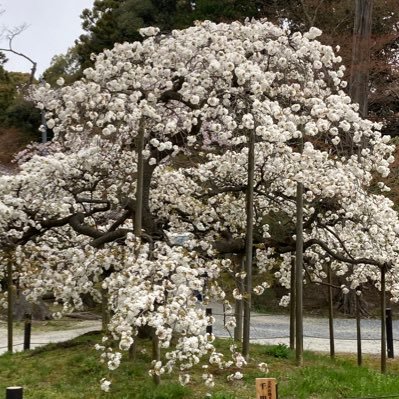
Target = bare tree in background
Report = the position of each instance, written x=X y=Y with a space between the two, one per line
x=361 y=55
x=8 y=35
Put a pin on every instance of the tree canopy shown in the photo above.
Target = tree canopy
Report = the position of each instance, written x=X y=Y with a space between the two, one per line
x=110 y=22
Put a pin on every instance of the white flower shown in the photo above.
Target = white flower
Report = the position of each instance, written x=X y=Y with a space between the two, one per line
x=236 y=376
x=184 y=379
x=295 y=107
x=313 y=33
x=317 y=64
x=50 y=123
x=285 y=300
x=213 y=101
x=214 y=65
x=263 y=367
x=345 y=290
x=150 y=31
x=194 y=99
x=248 y=121
x=105 y=385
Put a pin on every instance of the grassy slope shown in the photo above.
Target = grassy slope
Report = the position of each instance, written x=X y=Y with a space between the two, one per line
x=72 y=371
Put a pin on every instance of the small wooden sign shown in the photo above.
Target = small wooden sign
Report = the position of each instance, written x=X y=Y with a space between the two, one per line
x=266 y=388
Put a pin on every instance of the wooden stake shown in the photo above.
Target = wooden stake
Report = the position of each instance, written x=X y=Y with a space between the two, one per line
x=358 y=330
x=292 y=305
x=331 y=313
x=248 y=245
x=383 y=325
x=10 y=307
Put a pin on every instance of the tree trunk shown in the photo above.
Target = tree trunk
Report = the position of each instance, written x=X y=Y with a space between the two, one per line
x=138 y=216
x=358 y=89
x=156 y=356
x=248 y=244
x=104 y=310
x=350 y=304
x=138 y=222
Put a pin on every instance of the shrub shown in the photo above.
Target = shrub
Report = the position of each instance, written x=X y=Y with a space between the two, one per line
x=280 y=351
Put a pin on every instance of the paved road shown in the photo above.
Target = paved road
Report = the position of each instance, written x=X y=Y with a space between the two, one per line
x=274 y=329
x=270 y=329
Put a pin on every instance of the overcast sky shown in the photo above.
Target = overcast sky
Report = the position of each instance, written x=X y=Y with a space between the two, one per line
x=53 y=25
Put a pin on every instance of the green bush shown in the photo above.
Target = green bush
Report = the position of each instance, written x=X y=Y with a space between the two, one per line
x=280 y=351
x=23 y=115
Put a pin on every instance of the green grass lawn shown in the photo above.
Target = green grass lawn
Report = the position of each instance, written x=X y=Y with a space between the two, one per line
x=72 y=371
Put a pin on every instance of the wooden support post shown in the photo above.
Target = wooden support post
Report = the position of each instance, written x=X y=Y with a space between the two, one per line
x=239 y=305
x=383 y=325
x=246 y=333
x=331 y=313
x=358 y=330
x=266 y=388
x=27 y=331
x=299 y=276
x=209 y=328
x=14 y=393
x=10 y=307
x=389 y=333
x=292 y=305
x=238 y=318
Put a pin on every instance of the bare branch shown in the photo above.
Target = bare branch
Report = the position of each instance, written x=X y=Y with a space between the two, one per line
x=109 y=237
x=9 y=35
x=306 y=13
x=129 y=212
x=227 y=189
x=318 y=282
x=341 y=258
x=315 y=12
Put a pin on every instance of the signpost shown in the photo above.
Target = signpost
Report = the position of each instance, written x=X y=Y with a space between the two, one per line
x=266 y=388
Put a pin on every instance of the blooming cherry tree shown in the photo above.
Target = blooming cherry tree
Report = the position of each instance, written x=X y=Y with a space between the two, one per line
x=146 y=184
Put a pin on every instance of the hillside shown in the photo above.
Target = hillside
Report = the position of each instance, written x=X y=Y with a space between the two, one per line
x=12 y=140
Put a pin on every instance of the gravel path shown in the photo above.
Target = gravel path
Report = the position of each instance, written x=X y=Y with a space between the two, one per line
x=266 y=329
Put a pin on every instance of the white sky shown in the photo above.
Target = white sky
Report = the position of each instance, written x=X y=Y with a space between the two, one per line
x=53 y=25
